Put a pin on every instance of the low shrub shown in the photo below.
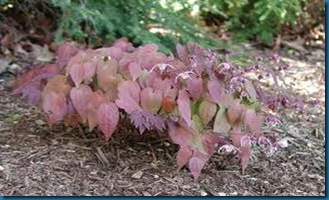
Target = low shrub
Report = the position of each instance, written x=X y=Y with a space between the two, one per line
x=203 y=101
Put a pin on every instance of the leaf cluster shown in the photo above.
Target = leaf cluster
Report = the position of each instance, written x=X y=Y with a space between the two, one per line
x=203 y=103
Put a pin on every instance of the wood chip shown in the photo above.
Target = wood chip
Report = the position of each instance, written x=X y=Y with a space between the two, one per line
x=137 y=175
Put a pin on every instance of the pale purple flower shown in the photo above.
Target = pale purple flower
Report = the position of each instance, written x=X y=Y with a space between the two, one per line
x=162 y=67
x=228 y=148
x=275 y=57
x=272 y=120
x=283 y=143
x=245 y=141
x=185 y=75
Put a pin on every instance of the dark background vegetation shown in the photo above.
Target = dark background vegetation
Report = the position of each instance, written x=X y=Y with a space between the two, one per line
x=164 y=22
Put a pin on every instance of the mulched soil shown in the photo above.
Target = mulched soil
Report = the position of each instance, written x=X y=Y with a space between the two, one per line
x=37 y=160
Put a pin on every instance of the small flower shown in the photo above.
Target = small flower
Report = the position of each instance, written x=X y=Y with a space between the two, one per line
x=283 y=143
x=273 y=121
x=315 y=103
x=228 y=148
x=210 y=56
x=245 y=141
x=162 y=67
x=275 y=57
x=284 y=101
x=264 y=142
x=244 y=94
x=185 y=75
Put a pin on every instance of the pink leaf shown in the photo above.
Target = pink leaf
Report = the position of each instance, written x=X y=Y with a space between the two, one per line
x=77 y=73
x=64 y=53
x=226 y=100
x=209 y=141
x=234 y=112
x=96 y=99
x=135 y=70
x=195 y=87
x=54 y=105
x=113 y=52
x=215 y=90
x=182 y=53
x=108 y=118
x=236 y=138
x=199 y=159
x=80 y=98
x=123 y=44
x=196 y=163
x=183 y=102
x=181 y=135
x=253 y=121
x=151 y=100
x=129 y=96
x=89 y=71
x=207 y=111
x=183 y=156
x=245 y=154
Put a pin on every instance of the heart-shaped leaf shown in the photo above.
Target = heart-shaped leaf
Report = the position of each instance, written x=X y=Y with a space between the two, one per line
x=108 y=118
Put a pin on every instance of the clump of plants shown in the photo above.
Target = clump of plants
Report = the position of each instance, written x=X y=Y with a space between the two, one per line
x=203 y=101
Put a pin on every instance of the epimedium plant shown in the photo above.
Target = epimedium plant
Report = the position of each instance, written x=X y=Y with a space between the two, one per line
x=205 y=104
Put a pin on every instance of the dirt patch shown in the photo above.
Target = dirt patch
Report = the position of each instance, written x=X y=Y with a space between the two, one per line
x=37 y=160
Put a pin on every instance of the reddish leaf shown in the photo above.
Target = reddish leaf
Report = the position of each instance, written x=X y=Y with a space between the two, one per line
x=207 y=111
x=151 y=100
x=234 y=112
x=108 y=118
x=77 y=72
x=245 y=154
x=195 y=87
x=183 y=156
x=183 y=102
x=196 y=163
x=199 y=159
x=89 y=69
x=30 y=83
x=113 y=52
x=80 y=98
x=72 y=120
x=129 y=96
x=135 y=70
x=209 y=141
x=96 y=99
x=185 y=137
x=221 y=124
x=181 y=135
x=64 y=53
x=226 y=100
x=236 y=138
x=123 y=44
x=182 y=53
x=215 y=90
x=57 y=84
x=253 y=121
x=108 y=79
x=145 y=120
x=54 y=105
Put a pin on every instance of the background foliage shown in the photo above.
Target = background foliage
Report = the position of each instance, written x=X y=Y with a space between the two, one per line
x=165 y=22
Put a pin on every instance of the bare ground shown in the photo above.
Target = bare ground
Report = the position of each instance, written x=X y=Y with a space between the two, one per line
x=37 y=160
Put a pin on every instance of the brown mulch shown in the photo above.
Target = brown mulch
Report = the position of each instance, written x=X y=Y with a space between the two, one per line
x=37 y=160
